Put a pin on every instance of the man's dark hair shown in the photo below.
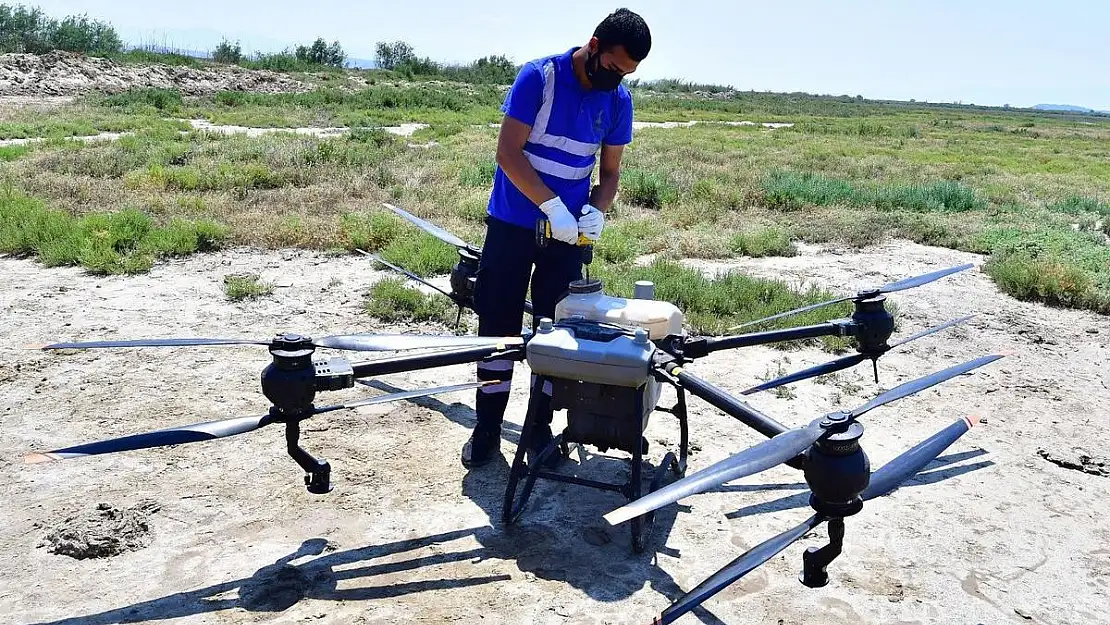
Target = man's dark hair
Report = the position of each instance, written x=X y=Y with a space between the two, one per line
x=625 y=28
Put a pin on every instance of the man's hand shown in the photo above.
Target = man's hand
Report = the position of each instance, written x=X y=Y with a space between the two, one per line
x=564 y=227
x=592 y=222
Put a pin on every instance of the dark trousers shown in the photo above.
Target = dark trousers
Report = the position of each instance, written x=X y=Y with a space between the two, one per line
x=504 y=274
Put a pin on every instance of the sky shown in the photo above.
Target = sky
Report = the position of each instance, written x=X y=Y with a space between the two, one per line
x=1018 y=52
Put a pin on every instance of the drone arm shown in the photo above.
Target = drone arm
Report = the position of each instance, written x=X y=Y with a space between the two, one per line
x=400 y=364
x=840 y=327
x=725 y=402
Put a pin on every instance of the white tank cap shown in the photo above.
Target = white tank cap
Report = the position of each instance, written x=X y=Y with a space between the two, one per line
x=644 y=289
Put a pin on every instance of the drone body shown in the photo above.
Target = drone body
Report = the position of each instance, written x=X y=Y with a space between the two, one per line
x=596 y=361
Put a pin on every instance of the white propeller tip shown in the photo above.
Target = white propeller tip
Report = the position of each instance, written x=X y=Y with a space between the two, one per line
x=620 y=515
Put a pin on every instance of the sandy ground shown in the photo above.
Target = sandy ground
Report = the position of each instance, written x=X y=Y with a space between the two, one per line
x=225 y=532
x=201 y=125
x=404 y=130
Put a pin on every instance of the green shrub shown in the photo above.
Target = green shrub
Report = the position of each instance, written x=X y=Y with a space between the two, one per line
x=13 y=152
x=159 y=98
x=792 y=190
x=623 y=240
x=126 y=241
x=421 y=253
x=369 y=231
x=770 y=241
x=941 y=196
x=239 y=287
x=478 y=174
x=649 y=189
x=1075 y=205
x=1045 y=280
x=1059 y=267
x=390 y=300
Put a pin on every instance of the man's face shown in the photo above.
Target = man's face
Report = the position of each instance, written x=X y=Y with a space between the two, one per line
x=615 y=58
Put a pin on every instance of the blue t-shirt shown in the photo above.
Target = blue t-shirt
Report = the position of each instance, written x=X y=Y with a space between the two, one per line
x=569 y=125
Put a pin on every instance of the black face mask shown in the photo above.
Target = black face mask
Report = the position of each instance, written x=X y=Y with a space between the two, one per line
x=602 y=78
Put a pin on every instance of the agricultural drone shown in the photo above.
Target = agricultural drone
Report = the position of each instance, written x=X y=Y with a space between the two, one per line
x=604 y=359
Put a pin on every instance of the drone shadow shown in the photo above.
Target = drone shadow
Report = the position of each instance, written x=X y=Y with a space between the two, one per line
x=281 y=585
x=581 y=529
x=561 y=536
x=801 y=500
x=457 y=412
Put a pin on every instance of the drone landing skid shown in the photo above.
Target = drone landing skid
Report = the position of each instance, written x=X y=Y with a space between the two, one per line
x=317 y=477
x=629 y=439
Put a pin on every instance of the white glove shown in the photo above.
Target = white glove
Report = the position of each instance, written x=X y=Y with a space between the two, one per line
x=592 y=222
x=564 y=227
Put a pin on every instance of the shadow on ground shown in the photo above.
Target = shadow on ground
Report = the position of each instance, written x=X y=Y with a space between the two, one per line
x=561 y=536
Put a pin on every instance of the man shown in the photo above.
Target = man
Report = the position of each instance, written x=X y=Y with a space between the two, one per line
x=561 y=111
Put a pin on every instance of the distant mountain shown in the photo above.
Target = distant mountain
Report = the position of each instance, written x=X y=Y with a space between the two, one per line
x=1066 y=107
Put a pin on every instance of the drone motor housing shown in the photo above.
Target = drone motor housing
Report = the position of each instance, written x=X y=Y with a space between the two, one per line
x=289 y=381
x=876 y=323
x=601 y=375
x=464 y=276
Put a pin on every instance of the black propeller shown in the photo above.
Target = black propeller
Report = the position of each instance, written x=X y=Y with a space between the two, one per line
x=778 y=449
x=847 y=361
x=430 y=228
x=363 y=342
x=404 y=272
x=224 y=428
x=900 y=285
x=882 y=482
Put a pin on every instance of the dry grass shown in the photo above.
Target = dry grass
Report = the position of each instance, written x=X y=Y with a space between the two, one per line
x=943 y=178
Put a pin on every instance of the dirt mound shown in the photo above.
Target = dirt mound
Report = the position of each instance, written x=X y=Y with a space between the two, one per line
x=66 y=74
x=104 y=532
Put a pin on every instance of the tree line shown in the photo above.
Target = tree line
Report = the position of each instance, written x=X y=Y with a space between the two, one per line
x=29 y=30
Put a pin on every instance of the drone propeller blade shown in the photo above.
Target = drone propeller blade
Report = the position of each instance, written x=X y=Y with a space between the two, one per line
x=171 y=342
x=405 y=272
x=769 y=453
x=792 y=312
x=922 y=383
x=400 y=395
x=847 y=361
x=160 y=438
x=822 y=369
x=899 y=285
x=430 y=228
x=738 y=568
x=892 y=474
x=932 y=330
x=925 y=278
x=395 y=342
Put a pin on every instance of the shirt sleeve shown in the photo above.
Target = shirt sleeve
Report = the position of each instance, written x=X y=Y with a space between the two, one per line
x=523 y=100
x=621 y=131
